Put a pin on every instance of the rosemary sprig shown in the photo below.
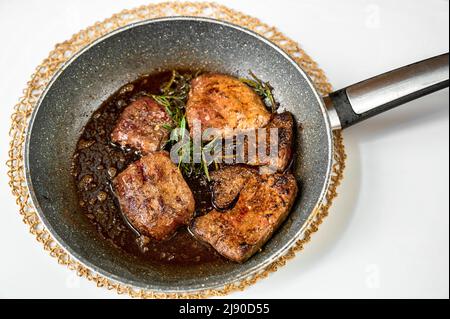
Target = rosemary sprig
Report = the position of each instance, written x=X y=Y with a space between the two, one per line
x=173 y=98
x=183 y=126
x=205 y=168
x=166 y=87
x=263 y=89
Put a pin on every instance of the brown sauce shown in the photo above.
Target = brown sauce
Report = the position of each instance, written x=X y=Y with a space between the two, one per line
x=97 y=161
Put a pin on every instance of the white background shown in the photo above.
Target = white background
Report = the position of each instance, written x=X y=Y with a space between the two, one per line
x=388 y=232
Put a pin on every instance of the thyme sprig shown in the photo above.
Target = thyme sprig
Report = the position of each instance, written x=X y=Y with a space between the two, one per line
x=263 y=89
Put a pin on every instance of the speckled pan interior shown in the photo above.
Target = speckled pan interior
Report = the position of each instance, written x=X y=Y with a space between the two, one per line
x=91 y=76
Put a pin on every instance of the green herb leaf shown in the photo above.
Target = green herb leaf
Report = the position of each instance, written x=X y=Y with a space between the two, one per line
x=173 y=98
x=263 y=89
x=183 y=126
x=205 y=168
x=169 y=84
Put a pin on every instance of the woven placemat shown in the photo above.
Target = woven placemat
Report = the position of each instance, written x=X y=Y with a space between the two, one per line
x=65 y=50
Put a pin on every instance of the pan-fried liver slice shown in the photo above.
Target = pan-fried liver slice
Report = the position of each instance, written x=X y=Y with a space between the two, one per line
x=220 y=101
x=277 y=153
x=154 y=196
x=227 y=183
x=141 y=126
x=263 y=204
x=283 y=123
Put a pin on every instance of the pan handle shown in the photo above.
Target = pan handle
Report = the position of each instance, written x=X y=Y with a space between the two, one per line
x=365 y=99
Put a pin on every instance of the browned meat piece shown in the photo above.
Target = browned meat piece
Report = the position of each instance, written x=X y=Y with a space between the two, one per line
x=284 y=122
x=140 y=126
x=263 y=204
x=154 y=196
x=227 y=183
x=221 y=101
x=248 y=147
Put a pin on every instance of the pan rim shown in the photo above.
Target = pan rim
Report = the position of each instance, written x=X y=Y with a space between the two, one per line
x=198 y=286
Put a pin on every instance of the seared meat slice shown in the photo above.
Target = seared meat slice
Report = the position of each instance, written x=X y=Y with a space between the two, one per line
x=221 y=101
x=140 y=126
x=154 y=196
x=284 y=123
x=276 y=154
x=227 y=183
x=263 y=204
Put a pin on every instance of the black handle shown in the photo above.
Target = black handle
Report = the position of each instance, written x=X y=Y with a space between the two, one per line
x=384 y=92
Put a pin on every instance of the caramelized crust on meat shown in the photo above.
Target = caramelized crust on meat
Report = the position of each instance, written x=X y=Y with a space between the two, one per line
x=221 y=101
x=264 y=203
x=283 y=124
x=154 y=196
x=227 y=183
x=274 y=155
x=140 y=126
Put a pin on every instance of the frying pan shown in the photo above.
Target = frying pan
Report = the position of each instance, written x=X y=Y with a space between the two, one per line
x=96 y=72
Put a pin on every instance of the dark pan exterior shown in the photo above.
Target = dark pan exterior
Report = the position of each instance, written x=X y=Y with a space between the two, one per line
x=122 y=56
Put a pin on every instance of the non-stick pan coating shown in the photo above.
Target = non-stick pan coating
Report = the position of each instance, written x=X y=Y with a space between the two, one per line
x=98 y=71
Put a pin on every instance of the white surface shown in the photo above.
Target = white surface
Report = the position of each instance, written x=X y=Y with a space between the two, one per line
x=388 y=232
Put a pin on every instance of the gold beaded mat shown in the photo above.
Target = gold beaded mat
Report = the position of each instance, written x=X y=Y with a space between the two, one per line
x=65 y=50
